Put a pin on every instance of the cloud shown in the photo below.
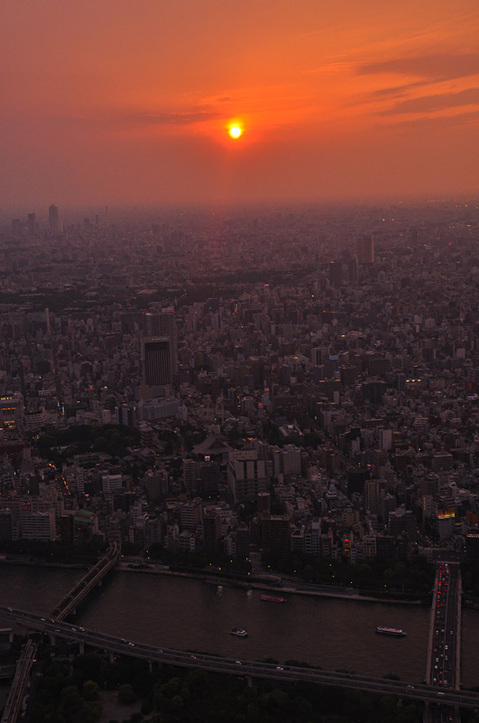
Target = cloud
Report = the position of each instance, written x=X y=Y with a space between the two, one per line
x=439 y=101
x=121 y=120
x=436 y=67
x=397 y=90
x=458 y=120
x=176 y=118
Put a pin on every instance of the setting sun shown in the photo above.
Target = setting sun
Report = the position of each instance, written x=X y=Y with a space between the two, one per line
x=235 y=132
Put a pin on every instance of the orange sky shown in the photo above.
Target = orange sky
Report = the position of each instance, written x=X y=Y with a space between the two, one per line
x=130 y=101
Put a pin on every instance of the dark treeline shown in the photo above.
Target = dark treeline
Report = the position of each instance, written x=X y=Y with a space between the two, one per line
x=414 y=576
x=70 y=691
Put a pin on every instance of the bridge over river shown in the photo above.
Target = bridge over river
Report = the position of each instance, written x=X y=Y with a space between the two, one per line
x=93 y=577
x=442 y=701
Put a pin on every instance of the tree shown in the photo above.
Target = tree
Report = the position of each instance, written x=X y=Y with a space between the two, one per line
x=91 y=711
x=126 y=694
x=90 y=690
x=88 y=667
x=171 y=688
x=72 y=701
x=176 y=707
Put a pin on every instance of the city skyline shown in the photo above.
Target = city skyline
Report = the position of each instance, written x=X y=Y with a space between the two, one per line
x=123 y=103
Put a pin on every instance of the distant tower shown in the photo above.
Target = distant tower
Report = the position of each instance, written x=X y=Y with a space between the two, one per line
x=53 y=218
x=353 y=270
x=32 y=224
x=365 y=250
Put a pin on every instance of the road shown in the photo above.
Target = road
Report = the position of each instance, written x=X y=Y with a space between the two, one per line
x=443 y=665
x=246 y=668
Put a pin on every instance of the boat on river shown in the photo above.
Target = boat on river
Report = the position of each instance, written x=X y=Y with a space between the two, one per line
x=272 y=598
x=396 y=632
x=239 y=632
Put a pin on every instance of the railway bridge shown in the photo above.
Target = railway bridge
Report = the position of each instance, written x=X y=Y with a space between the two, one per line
x=67 y=606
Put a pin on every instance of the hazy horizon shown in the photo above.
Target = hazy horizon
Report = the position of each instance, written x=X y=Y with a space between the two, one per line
x=305 y=206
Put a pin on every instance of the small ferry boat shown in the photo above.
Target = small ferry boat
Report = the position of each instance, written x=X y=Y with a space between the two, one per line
x=272 y=598
x=390 y=631
x=239 y=632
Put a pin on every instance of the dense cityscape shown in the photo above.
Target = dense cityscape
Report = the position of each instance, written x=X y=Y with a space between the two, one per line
x=269 y=394
x=296 y=381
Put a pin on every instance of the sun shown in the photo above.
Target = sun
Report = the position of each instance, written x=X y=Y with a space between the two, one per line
x=235 y=131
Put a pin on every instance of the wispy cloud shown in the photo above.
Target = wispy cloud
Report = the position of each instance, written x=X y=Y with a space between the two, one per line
x=396 y=91
x=435 y=67
x=426 y=123
x=175 y=118
x=439 y=101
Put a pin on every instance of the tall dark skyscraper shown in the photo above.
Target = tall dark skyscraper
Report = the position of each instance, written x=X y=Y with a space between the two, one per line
x=162 y=324
x=156 y=359
x=53 y=218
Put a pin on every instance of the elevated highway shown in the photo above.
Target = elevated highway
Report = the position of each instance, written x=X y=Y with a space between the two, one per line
x=246 y=668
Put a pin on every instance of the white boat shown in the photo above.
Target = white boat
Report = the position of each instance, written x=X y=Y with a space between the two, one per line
x=239 y=632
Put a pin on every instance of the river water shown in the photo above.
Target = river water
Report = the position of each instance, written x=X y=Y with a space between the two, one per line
x=187 y=614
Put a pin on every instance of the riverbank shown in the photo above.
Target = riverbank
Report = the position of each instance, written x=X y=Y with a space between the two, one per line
x=278 y=585
x=282 y=588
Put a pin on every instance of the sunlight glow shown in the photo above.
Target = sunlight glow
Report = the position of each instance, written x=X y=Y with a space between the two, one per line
x=235 y=131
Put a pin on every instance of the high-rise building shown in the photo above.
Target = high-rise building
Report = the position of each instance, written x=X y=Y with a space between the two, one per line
x=246 y=475
x=162 y=324
x=353 y=270
x=242 y=542
x=53 y=218
x=264 y=503
x=156 y=359
x=313 y=537
x=276 y=534
x=191 y=514
x=38 y=525
x=365 y=250
x=211 y=531
x=32 y=224
x=372 y=491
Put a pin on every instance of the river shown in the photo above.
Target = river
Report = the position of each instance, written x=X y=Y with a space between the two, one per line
x=185 y=613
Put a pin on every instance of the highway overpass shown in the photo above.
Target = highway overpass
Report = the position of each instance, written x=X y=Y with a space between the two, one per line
x=247 y=668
